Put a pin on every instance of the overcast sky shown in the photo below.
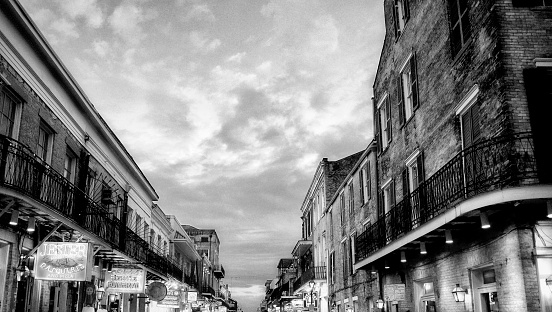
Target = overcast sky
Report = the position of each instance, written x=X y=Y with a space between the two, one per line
x=227 y=106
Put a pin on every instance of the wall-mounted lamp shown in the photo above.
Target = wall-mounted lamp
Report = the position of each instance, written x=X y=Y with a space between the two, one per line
x=386 y=264
x=484 y=220
x=423 y=249
x=31 y=224
x=549 y=209
x=96 y=262
x=14 y=217
x=448 y=237
x=459 y=293
x=549 y=282
x=403 y=257
x=111 y=298
x=379 y=304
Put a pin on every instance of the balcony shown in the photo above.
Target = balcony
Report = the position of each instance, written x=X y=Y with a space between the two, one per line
x=218 y=270
x=491 y=165
x=312 y=274
x=24 y=174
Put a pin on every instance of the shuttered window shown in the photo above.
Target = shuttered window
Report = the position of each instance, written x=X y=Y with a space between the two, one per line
x=401 y=14
x=7 y=112
x=383 y=124
x=471 y=127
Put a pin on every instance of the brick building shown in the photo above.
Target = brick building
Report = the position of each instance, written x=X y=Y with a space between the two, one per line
x=461 y=96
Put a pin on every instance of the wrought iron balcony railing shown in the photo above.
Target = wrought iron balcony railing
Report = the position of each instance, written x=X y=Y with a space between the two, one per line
x=22 y=171
x=492 y=164
x=314 y=273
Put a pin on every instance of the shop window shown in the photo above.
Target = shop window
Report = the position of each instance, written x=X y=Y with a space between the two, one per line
x=485 y=290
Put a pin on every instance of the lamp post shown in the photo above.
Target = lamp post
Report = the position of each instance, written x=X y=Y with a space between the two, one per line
x=311 y=306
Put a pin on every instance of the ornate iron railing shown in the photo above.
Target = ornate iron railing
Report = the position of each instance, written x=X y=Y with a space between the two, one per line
x=492 y=164
x=314 y=273
x=22 y=171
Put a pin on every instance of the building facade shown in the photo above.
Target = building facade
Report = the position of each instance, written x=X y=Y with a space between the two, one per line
x=79 y=227
x=463 y=179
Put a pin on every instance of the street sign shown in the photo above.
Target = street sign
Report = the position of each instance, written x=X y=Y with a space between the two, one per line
x=394 y=292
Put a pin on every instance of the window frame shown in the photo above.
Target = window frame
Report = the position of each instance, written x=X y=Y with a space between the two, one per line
x=45 y=142
x=463 y=26
x=401 y=15
x=70 y=165
x=407 y=89
x=385 y=134
x=466 y=106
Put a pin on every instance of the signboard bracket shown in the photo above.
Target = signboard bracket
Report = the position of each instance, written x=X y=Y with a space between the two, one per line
x=44 y=239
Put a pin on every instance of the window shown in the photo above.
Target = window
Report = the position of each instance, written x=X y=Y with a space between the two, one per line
x=401 y=14
x=351 y=198
x=364 y=183
x=146 y=232
x=459 y=24
x=485 y=296
x=387 y=197
x=70 y=165
x=344 y=253
x=8 y=104
x=138 y=224
x=152 y=237
x=366 y=224
x=204 y=239
x=407 y=88
x=413 y=174
x=45 y=142
x=383 y=124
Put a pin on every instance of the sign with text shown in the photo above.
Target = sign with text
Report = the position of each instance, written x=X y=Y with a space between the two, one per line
x=172 y=298
x=394 y=292
x=125 y=281
x=192 y=296
x=60 y=261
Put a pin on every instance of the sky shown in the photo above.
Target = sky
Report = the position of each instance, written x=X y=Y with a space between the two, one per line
x=227 y=106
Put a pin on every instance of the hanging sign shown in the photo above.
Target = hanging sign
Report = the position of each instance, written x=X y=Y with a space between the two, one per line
x=192 y=296
x=172 y=299
x=157 y=291
x=60 y=261
x=125 y=281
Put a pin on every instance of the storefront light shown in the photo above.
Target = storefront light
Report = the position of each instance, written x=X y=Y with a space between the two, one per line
x=379 y=304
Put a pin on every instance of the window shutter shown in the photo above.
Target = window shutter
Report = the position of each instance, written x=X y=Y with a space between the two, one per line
x=405 y=183
x=476 y=122
x=414 y=82
x=392 y=192
x=467 y=129
x=406 y=9
x=389 y=128
x=378 y=129
x=396 y=23
x=400 y=98
x=368 y=181
x=361 y=184
x=420 y=164
x=381 y=210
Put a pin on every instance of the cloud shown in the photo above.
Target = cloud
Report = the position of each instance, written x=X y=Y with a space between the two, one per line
x=101 y=47
x=236 y=58
x=203 y=44
x=200 y=12
x=65 y=27
x=126 y=19
x=87 y=9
